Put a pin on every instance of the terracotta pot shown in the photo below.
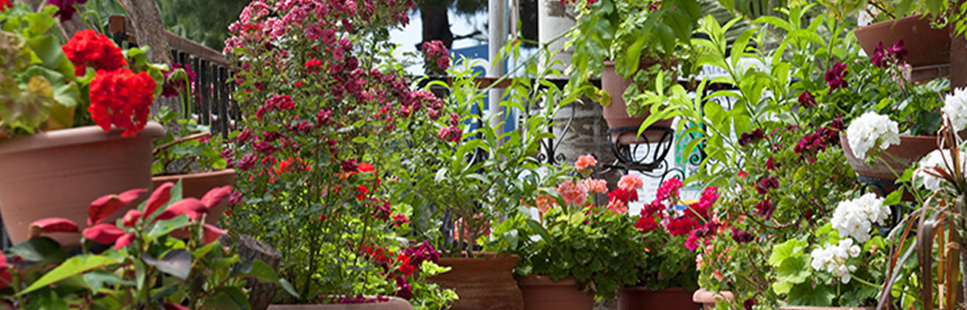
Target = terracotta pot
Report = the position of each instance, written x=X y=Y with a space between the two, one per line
x=541 y=293
x=926 y=46
x=196 y=185
x=485 y=283
x=708 y=298
x=640 y=298
x=910 y=150
x=616 y=114
x=824 y=308
x=59 y=173
x=394 y=303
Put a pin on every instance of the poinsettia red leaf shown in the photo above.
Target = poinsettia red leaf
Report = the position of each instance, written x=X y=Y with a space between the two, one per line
x=158 y=198
x=131 y=218
x=103 y=233
x=190 y=206
x=124 y=241
x=171 y=306
x=51 y=225
x=216 y=196
x=102 y=208
x=210 y=233
x=130 y=196
x=4 y=265
x=366 y=167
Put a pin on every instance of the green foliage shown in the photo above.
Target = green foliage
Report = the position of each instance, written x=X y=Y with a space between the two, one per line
x=192 y=149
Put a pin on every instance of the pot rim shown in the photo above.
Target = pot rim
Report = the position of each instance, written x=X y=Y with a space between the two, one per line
x=642 y=288
x=74 y=136
x=196 y=175
x=542 y=280
x=893 y=22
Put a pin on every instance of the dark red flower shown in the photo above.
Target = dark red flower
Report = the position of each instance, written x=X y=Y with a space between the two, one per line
x=879 y=56
x=836 y=76
x=807 y=100
x=766 y=184
x=681 y=226
x=65 y=8
x=174 y=85
x=751 y=137
x=87 y=48
x=898 y=50
x=764 y=208
x=748 y=303
x=646 y=223
x=771 y=164
x=741 y=236
x=5 y=4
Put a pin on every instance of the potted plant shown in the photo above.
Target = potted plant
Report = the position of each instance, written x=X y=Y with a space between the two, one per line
x=628 y=43
x=325 y=113
x=132 y=262
x=56 y=120
x=191 y=157
x=578 y=250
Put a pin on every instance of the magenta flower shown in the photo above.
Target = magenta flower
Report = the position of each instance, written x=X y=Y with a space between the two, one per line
x=879 y=56
x=751 y=137
x=65 y=8
x=898 y=50
x=767 y=184
x=807 y=100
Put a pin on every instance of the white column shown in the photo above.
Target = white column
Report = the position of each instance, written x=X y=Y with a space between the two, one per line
x=498 y=37
x=554 y=18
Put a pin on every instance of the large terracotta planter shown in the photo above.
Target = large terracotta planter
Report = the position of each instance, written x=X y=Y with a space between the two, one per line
x=485 y=283
x=708 y=298
x=541 y=293
x=394 y=303
x=59 y=173
x=899 y=157
x=616 y=113
x=196 y=185
x=640 y=298
x=926 y=46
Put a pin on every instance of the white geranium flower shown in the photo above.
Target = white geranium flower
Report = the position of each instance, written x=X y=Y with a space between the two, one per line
x=937 y=159
x=833 y=259
x=955 y=108
x=855 y=218
x=871 y=131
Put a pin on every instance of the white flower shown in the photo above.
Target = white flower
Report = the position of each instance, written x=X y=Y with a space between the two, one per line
x=871 y=131
x=855 y=218
x=833 y=259
x=955 y=108
x=937 y=159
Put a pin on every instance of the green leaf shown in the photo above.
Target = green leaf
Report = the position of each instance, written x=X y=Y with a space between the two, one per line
x=258 y=270
x=41 y=249
x=893 y=198
x=288 y=287
x=176 y=263
x=794 y=270
x=537 y=227
x=161 y=228
x=97 y=279
x=782 y=251
x=74 y=266
x=227 y=297
x=806 y=295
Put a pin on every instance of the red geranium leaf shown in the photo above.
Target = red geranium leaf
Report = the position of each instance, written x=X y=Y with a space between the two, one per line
x=50 y=225
x=131 y=218
x=103 y=233
x=124 y=241
x=3 y=262
x=190 y=206
x=159 y=198
x=108 y=204
x=216 y=196
x=211 y=233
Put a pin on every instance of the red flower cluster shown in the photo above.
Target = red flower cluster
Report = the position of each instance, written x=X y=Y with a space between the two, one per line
x=276 y=103
x=65 y=8
x=817 y=142
x=453 y=133
x=90 y=49
x=121 y=98
x=4 y=5
x=407 y=263
x=807 y=100
x=680 y=223
x=436 y=53
x=766 y=184
x=751 y=137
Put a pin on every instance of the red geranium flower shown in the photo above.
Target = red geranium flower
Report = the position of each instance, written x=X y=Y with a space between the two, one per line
x=121 y=98
x=90 y=49
x=4 y=5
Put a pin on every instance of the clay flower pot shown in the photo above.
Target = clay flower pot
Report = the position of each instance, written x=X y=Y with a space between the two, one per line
x=196 y=185
x=708 y=298
x=541 y=293
x=674 y=298
x=394 y=303
x=926 y=46
x=485 y=283
x=59 y=174
x=616 y=113
x=910 y=150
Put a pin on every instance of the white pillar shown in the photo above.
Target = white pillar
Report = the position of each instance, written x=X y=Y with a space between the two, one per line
x=554 y=18
x=498 y=37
